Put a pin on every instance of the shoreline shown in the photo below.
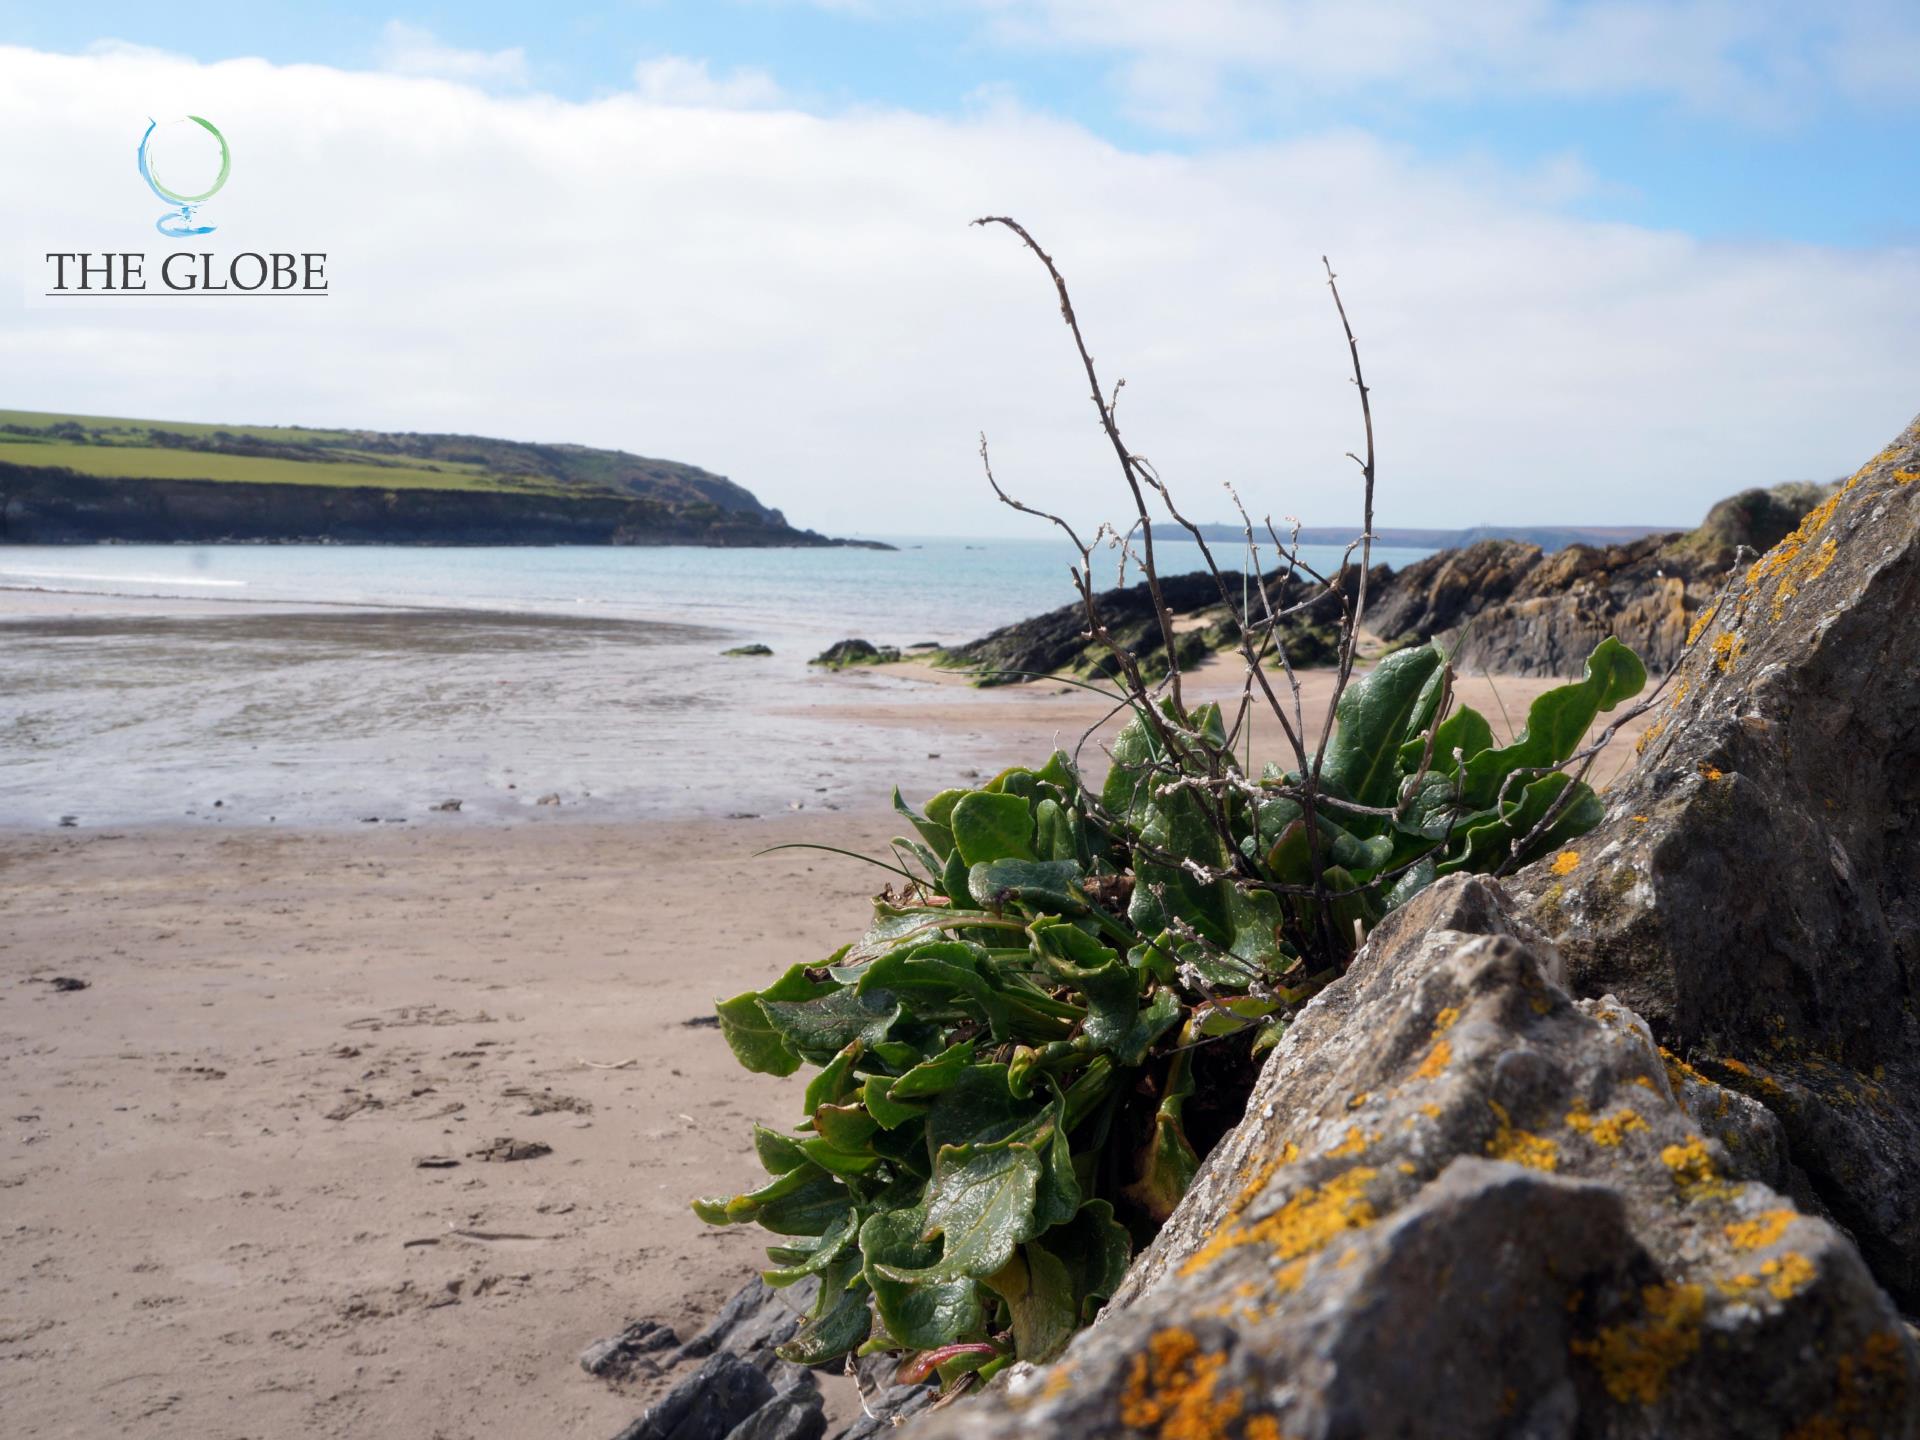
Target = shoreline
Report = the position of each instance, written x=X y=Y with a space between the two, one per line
x=210 y=1165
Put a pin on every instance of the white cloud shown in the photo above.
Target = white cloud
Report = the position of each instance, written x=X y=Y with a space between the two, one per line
x=414 y=50
x=677 y=81
x=1193 y=65
x=798 y=302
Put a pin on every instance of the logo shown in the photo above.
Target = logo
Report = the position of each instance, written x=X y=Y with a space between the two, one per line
x=192 y=154
x=185 y=162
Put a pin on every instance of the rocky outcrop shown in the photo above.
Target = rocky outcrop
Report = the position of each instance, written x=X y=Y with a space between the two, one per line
x=743 y=1390
x=1465 y=1204
x=1755 y=889
x=41 y=506
x=1060 y=641
x=843 y=653
x=1473 y=1195
x=1520 y=613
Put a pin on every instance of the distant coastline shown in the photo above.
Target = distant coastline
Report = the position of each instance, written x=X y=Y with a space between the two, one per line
x=1547 y=537
x=76 y=480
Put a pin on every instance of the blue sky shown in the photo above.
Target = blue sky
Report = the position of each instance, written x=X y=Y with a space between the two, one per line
x=1779 y=137
x=1609 y=260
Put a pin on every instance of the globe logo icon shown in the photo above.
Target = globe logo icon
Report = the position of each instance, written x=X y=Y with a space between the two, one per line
x=185 y=162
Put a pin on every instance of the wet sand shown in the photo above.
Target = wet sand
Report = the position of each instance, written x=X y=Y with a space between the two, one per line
x=216 y=1226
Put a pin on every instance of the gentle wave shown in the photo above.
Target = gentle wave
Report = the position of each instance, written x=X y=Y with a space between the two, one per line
x=117 y=579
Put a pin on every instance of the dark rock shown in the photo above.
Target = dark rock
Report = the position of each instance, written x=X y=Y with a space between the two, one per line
x=1463 y=1204
x=885 y=1403
x=69 y=983
x=708 y=1404
x=630 y=1353
x=1438 y=593
x=1059 y=640
x=434 y=1162
x=701 y=1022
x=796 y=1413
x=755 y=1319
x=748 y=650
x=1755 y=888
x=1512 y=610
x=841 y=654
x=506 y=1148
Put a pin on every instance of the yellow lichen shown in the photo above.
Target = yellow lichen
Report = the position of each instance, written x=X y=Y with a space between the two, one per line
x=1634 y=1360
x=1263 y=1427
x=1265 y=1171
x=1356 y=1143
x=1638 y=819
x=1762 y=1230
x=1443 y=1022
x=1905 y=477
x=1788 y=1275
x=1565 y=861
x=1607 y=1130
x=1358 y=1100
x=1693 y=1170
x=1776 y=560
x=1726 y=650
x=1535 y=1151
x=1709 y=771
x=1648 y=736
x=1172 y=1390
x=1701 y=621
x=1809 y=570
x=1300 y=1228
x=1438 y=1058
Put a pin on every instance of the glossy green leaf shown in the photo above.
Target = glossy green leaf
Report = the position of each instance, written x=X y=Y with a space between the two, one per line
x=756 y=1040
x=887 y=1110
x=920 y=1310
x=812 y=1259
x=1558 y=720
x=821 y=1028
x=938 y=836
x=934 y=1074
x=980 y=1202
x=1362 y=759
x=836 y=1331
x=993 y=827
x=1041 y=885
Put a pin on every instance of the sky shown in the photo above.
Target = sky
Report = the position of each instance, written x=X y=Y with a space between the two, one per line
x=1607 y=261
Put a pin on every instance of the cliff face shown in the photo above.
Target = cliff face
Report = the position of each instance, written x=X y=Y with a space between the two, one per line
x=47 y=506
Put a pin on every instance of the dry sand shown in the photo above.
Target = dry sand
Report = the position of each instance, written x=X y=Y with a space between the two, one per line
x=208 y=1181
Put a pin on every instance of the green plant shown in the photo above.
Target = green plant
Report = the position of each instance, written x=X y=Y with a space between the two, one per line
x=1006 y=1099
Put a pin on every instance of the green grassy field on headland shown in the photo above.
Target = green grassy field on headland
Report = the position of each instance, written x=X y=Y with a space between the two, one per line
x=75 y=479
x=117 y=448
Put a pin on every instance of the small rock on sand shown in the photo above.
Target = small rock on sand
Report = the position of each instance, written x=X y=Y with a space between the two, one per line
x=506 y=1148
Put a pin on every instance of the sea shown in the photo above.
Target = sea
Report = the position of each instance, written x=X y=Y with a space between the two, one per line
x=336 y=685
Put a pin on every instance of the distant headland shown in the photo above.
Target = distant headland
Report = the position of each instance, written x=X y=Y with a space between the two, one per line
x=81 y=479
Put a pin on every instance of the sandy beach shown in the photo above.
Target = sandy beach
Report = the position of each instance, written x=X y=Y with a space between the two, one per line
x=218 y=1224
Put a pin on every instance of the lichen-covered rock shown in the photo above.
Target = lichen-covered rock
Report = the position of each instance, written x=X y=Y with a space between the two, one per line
x=842 y=653
x=1463 y=1204
x=1754 y=891
x=1437 y=594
